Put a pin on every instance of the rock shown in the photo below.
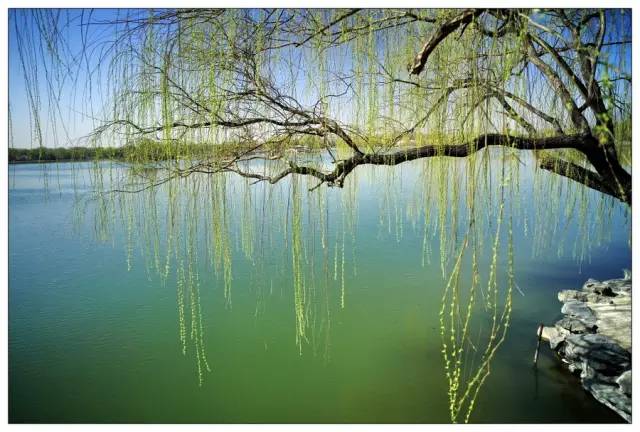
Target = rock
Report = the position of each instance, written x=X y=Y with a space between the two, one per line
x=599 y=294
x=574 y=325
x=613 y=319
x=612 y=285
x=594 y=339
x=612 y=397
x=624 y=381
x=589 y=284
x=553 y=335
x=621 y=285
x=579 y=310
x=549 y=333
x=597 y=298
x=567 y=295
x=599 y=352
x=608 y=292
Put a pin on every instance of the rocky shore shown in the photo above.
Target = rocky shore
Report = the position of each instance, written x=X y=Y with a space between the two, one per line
x=594 y=339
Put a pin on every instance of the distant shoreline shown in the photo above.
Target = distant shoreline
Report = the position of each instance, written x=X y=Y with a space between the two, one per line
x=37 y=162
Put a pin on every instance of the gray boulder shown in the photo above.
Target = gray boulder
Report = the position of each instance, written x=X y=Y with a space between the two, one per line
x=594 y=339
x=579 y=310
x=574 y=325
x=554 y=335
x=567 y=295
x=611 y=396
x=624 y=381
x=598 y=352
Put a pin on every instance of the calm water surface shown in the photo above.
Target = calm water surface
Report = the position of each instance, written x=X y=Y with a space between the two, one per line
x=90 y=341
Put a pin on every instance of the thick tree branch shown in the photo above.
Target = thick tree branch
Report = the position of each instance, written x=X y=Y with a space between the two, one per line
x=345 y=167
x=514 y=114
x=441 y=33
x=581 y=175
x=555 y=81
x=327 y=27
x=563 y=64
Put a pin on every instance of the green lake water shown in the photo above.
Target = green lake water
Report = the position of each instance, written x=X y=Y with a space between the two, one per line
x=93 y=339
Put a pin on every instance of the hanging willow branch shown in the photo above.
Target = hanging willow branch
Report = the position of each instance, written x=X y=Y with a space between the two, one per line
x=252 y=92
x=236 y=75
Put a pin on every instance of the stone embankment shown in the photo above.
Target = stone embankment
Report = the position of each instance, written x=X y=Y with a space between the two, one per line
x=594 y=339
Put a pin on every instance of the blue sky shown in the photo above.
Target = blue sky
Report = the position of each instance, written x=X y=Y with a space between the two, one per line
x=74 y=114
x=78 y=115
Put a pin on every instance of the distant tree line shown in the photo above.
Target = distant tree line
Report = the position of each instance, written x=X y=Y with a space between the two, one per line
x=148 y=150
x=62 y=154
x=141 y=150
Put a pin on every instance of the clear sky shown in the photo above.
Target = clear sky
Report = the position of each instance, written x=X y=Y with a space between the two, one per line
x=75 y=114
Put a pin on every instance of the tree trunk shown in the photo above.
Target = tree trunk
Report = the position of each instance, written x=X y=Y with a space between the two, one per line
x=604 y=158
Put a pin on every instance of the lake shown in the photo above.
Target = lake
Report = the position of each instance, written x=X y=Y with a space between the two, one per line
x=339 y=326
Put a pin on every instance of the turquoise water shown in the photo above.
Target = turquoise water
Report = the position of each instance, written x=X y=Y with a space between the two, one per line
x=93 y=339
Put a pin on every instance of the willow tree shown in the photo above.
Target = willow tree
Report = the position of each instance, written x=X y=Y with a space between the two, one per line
x=238 y=76
x=200 y=92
